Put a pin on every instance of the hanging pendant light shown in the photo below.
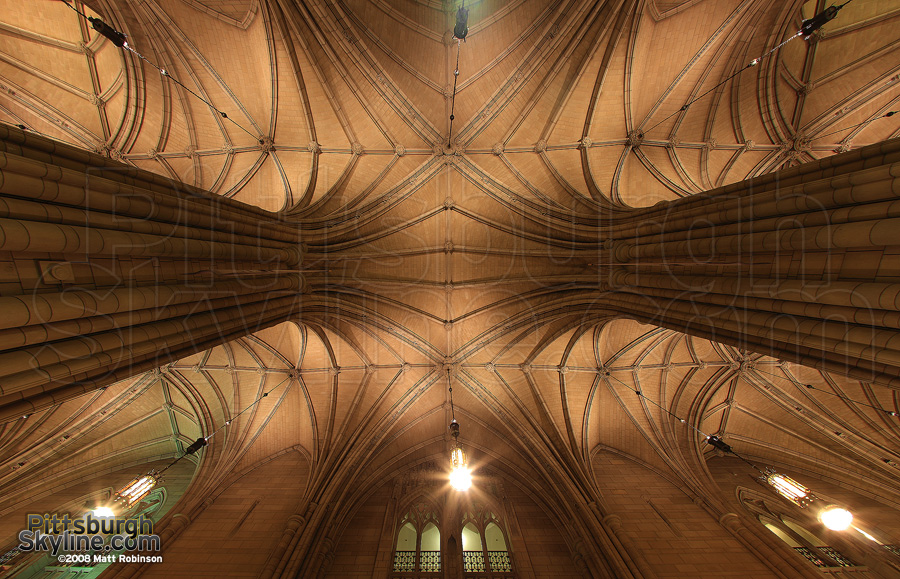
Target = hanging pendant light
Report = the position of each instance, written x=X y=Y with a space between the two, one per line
x=789 y=488
x=141 y=485
x=137 y=489
x=833 y=517
x=460 y=477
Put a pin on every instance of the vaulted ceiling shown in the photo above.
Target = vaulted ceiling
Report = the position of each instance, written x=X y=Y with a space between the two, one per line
x=473 y=253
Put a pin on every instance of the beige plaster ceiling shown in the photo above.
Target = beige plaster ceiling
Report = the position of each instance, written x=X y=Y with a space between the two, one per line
x=470 y=256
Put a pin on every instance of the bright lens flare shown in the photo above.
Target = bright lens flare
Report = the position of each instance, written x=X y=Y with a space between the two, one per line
x=103 y=512
x=836 y=518
x=461 y=479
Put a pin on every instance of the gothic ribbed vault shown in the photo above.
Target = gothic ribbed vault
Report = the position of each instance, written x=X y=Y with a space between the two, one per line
x=476 y=256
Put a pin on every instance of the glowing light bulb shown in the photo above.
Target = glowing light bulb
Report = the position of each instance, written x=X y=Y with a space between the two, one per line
x=461 y=479
x=103 y=512
x=137 y=489
x=790 y=489
x=836 y=518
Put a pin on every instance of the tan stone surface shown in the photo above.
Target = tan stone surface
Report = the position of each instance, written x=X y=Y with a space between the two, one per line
x=479 y=257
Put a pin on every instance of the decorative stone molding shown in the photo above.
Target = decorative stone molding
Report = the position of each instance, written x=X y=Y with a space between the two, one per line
x=497 y=149
x=586 y=143
x=447 y=38
x=635 y=138
x=266 y=144
x=425 y=474
x=313 y=147
x=399 y=150
x=540 y=146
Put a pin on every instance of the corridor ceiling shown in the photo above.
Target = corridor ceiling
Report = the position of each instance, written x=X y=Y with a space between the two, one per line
x=474 y=255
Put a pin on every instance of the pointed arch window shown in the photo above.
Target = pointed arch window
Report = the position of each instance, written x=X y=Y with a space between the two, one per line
x=485 y=550
x=813 y=548
x=417 y=548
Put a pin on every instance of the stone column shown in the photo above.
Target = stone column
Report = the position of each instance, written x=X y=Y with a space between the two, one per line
x=614 y=523
x=107 y=271
x=802 y=264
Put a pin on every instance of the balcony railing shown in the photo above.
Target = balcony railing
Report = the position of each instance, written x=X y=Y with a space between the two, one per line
x=830 y=552
x=404 y=561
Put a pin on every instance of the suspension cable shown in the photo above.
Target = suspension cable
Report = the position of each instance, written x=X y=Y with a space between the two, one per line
x=807 y=28
x=119 y=40
x=450 y=384
x=202 y=441
x=453 y=97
